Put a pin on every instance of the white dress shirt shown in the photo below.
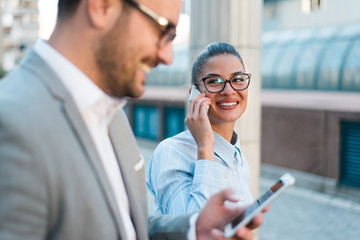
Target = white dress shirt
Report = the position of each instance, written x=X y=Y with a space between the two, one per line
x=97 y=110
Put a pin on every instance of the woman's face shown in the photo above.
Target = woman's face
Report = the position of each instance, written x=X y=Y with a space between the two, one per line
x=227 y=105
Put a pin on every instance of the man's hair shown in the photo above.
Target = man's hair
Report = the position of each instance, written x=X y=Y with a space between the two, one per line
x=67 y=8
x=211 y=50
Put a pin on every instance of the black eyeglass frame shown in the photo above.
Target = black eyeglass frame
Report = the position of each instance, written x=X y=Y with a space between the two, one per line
x=167 y=28
x=227 y=81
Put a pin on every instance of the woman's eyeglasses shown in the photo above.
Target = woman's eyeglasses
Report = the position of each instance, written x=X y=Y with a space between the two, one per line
x=216 y=84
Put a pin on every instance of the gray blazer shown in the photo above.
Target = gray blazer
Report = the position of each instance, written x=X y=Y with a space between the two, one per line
x=52 y=183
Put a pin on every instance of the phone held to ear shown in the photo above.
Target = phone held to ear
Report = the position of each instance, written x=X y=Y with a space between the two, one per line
x=195 y=92
x=284 y=182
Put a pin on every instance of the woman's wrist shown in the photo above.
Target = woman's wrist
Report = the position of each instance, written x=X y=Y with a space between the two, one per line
x=206 y=153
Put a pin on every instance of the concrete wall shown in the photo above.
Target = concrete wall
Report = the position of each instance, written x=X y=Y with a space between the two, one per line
x=301 y=130
x=293 y=138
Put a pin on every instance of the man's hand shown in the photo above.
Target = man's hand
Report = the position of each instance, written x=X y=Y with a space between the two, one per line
x=216 y=215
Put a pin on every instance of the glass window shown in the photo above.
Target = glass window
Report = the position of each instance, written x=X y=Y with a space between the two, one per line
x=308 y=6
x=351 y=74
x=268 y=60
x=285 y=66
x=328 y=78
x=174 y=121
x=146 y=122
x=305 y=68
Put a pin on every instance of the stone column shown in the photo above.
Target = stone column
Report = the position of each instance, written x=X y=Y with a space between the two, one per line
x=237 y=22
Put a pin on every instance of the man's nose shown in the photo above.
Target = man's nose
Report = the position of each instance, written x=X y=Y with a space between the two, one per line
x=166 y=54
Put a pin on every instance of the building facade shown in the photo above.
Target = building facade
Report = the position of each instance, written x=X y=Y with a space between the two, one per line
x=19 y=26
x=311 y=88
x=310 y=73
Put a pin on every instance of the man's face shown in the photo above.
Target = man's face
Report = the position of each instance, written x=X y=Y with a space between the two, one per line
x=130 y=49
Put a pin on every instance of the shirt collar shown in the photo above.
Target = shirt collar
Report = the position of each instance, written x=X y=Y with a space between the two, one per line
x=85 y=92
x=105 y=108
x=225 y=150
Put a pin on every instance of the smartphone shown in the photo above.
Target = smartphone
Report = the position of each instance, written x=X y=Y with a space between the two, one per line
x=194 y=92
x=284 y=182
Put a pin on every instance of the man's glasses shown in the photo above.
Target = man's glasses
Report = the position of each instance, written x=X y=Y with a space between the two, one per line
x=168 y=29
x=216 y=84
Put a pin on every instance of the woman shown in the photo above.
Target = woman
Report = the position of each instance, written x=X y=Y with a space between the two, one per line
x=185 y=170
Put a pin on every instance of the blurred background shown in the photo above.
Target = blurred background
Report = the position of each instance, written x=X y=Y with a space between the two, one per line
x=303 y=114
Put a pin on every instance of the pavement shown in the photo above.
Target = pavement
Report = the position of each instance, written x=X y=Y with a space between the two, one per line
x=303 y=213
x=315 y=208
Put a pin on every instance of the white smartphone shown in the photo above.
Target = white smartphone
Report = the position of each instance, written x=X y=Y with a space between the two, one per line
x=194 y=92
x=284 y=182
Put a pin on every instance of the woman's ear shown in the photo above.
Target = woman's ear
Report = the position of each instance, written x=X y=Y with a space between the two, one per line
x=103 y=13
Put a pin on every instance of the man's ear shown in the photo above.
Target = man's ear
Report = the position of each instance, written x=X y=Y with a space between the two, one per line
x=103 y=13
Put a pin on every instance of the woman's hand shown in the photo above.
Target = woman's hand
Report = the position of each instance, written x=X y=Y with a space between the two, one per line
x=199 y=125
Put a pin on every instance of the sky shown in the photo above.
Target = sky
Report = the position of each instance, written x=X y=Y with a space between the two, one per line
x=47 y=17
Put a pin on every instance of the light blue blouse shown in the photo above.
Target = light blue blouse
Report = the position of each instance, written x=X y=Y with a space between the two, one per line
x=180 y=183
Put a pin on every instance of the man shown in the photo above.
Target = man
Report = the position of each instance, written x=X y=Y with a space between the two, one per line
x=69 y=165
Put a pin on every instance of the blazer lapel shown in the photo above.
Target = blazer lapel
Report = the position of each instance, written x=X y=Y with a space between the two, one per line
x=94 y=159
x=75 y=120
x=132 y=170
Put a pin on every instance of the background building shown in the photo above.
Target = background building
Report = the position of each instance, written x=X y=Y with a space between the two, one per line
x=308 y=119
x=311 y=88
x=310 y=77
x=310 y=71
x=19 y=26
x=311 y=44
x=297 y=14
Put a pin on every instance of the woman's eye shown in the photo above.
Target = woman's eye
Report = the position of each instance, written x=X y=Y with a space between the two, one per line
x=213 y=81
x=238 y=79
